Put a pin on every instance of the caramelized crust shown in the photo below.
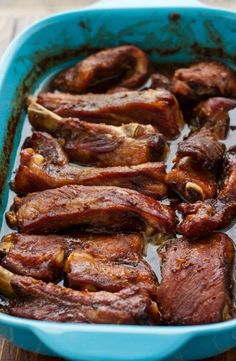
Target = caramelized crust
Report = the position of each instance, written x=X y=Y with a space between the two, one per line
x=202 y=80
x=36 y=173
x=85 y=271
x=127 y=66
x=196 y=280
x=114 y=247
x=42 y=301
x=202 y=218
x=101 y=145
x=37 y=256
x=95 y=208
x=191 y=181
x=156 y=107
x=202 y=147
x=213 y=114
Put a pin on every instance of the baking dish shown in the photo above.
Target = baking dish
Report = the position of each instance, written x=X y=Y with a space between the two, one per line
x=168 y=34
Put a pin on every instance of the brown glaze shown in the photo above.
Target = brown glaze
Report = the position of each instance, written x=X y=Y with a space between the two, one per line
x=196 y=280
x=96 y=208
x=156 y=107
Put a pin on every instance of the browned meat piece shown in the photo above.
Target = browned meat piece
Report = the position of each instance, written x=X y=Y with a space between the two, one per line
x=127 y=66
x=36 y=173
x=46 y=301
x=202 y=218
x=114 y=247
x=213 y=113
x=202 y=80
x=157 y=107
x=96 y=208
x=196 y=280
x=191 y=181
x=203 y=148
x=160 y=81
x=37 y=256
x=85 y=271
x=48 y=147
x=100 y=144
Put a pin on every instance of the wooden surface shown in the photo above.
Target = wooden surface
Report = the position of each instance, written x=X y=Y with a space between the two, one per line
x=9 y=27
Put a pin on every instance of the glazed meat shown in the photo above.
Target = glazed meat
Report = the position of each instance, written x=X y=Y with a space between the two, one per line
x=202 y=80
x=100 y=144
x=204 y=217
x=156 y=107
x=45 y=301
x=202 y=147
x=48 y=147
x=191 y=181
x=37 y=256
x=85 y=271
x=213 y=114
x=196 y=280
x=126 y=66
x=95 y=208
x=36 y=173
x=115 y=247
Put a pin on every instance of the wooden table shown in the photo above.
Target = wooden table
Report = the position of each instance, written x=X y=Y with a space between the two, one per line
x=9 y=27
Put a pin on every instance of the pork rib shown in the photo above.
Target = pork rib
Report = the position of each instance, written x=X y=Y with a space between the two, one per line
x=96 y=208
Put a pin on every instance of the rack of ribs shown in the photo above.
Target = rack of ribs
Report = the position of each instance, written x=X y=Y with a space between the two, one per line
x=204 y=217
x=126 y=66
x=37 y=171
x=196 y=280
x=100 y=144
x=96 y=208
x=35 y=299
x=156 y=107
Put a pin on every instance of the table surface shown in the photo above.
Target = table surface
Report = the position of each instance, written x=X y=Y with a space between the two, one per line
x=10 y=26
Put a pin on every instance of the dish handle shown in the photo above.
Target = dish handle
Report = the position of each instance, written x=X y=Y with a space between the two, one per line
x=145 y=3
x=110 y=344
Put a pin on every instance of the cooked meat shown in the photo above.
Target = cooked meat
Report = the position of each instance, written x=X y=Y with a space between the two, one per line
x=115 y=247
x=213 y=113
x=202 y=147
x=202 y=80
x=204 y=217
x=127 y=66
x=96 y=208
x=36 y=173
x=156 y=107
x=196 y=280
x=160 y=81
x=37 y=256
x=41 y=301
x=85 y=271
x=191 y=181
x=48 y=147
x=100 y=144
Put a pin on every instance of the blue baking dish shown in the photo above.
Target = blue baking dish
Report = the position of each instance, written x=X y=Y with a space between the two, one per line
x=192 y=33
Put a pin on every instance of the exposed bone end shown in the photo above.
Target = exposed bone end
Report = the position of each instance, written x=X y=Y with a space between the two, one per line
x=5 y=282
x=42 y=118
x=11 y=218
x=194 y=192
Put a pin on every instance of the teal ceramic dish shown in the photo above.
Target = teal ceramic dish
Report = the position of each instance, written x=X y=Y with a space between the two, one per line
x=192 y=33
